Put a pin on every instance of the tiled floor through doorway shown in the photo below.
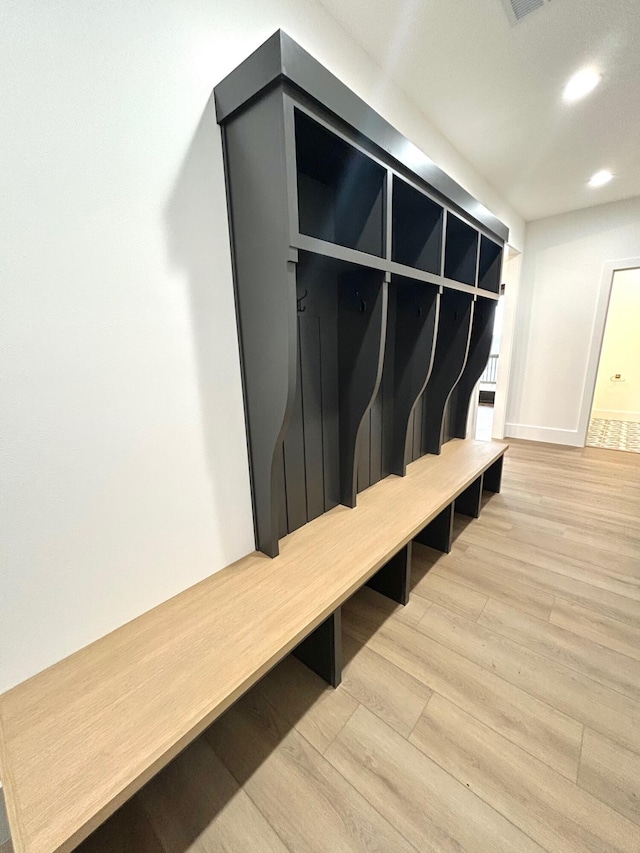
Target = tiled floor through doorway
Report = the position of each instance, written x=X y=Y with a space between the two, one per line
x=614 y=435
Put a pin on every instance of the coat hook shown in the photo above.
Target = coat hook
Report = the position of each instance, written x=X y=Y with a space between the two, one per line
x=301 y=307
x=363 y=305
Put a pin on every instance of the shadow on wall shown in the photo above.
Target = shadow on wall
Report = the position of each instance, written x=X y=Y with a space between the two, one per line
x=198 y=243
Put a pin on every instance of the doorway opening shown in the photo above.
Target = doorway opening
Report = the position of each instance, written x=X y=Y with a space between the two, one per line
x=488 y=380
x=488 y=412
x=614 y=421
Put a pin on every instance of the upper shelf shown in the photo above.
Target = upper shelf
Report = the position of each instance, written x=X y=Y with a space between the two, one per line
x=340 y=189
x=416 y=229
x=489 y=266
x=461 y=251
x=281 y=58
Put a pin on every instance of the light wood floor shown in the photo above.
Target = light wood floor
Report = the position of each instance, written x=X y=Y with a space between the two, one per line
x=498 y=711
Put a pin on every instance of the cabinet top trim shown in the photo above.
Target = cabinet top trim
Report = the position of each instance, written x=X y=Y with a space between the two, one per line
x=281 y=58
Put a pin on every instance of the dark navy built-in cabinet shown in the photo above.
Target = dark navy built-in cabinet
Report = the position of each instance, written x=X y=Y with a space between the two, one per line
x=366 y=283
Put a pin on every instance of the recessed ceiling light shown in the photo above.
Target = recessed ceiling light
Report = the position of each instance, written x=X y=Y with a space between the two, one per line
x=581 y=84
x=600 y=178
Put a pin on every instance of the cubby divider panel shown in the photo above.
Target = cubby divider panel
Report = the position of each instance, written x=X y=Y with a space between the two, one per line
x=411 y=323
x=416 y=324
x=321 y=651
x=264 y=279
x=341 y=331
x=460 y=251
x=479 y=350
x=417 y=223
x=394 y=578
x=438 y=534
x=340 y=189
x=490 y=265
x=452 y=345
x=493 y=476
x=469 y=502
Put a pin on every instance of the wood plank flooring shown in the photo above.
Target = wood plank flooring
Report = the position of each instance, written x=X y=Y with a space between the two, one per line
x=498 y=711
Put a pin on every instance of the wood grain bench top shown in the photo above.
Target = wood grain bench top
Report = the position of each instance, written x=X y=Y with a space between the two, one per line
x=80 y=738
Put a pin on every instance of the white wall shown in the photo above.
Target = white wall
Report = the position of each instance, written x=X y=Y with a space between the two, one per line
x=557 y=316
x=511 y=271
x=619 y=399
x=123 y=456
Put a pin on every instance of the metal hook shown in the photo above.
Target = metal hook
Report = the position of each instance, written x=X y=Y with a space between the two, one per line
x=301 y=307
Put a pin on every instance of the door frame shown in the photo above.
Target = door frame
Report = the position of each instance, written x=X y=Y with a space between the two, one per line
x=609 y=269
x=511 y=270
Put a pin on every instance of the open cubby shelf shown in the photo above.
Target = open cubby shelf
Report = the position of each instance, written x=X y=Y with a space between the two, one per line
x=340 y=189
x=416 y=228
x=489 y=265
x=357 y=267
x=461 y=251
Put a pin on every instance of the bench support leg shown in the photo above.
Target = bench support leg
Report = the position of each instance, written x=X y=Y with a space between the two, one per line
x=394 y=578
x=321 y=651
x=438 y=533
x=493 y=476
x=469 y=502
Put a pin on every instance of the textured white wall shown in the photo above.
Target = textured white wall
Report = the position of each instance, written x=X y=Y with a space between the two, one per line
x=557 y=323
x=123 y=460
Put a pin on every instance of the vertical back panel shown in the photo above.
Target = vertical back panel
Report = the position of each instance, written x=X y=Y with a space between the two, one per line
x=310 y=368
x=375 y=437
x=330 y=414
x=280 y=491
x=294 y=467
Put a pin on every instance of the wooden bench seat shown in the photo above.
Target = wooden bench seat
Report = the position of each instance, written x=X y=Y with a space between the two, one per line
x=77 y=740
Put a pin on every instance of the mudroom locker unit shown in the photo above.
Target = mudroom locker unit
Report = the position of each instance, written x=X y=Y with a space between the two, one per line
x=366 y=283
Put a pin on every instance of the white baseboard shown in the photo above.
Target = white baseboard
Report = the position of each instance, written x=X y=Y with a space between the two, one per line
x=549 y=435
x=615 y=415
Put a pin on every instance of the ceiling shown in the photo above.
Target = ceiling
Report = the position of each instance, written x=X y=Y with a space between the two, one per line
x=494 y=89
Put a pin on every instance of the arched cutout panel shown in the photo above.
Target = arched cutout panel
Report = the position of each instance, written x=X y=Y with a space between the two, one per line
x=479 y=350
x=264 y=282
x=411 y=322
x=362 y=335
x=416 y=322
x=452 y=345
